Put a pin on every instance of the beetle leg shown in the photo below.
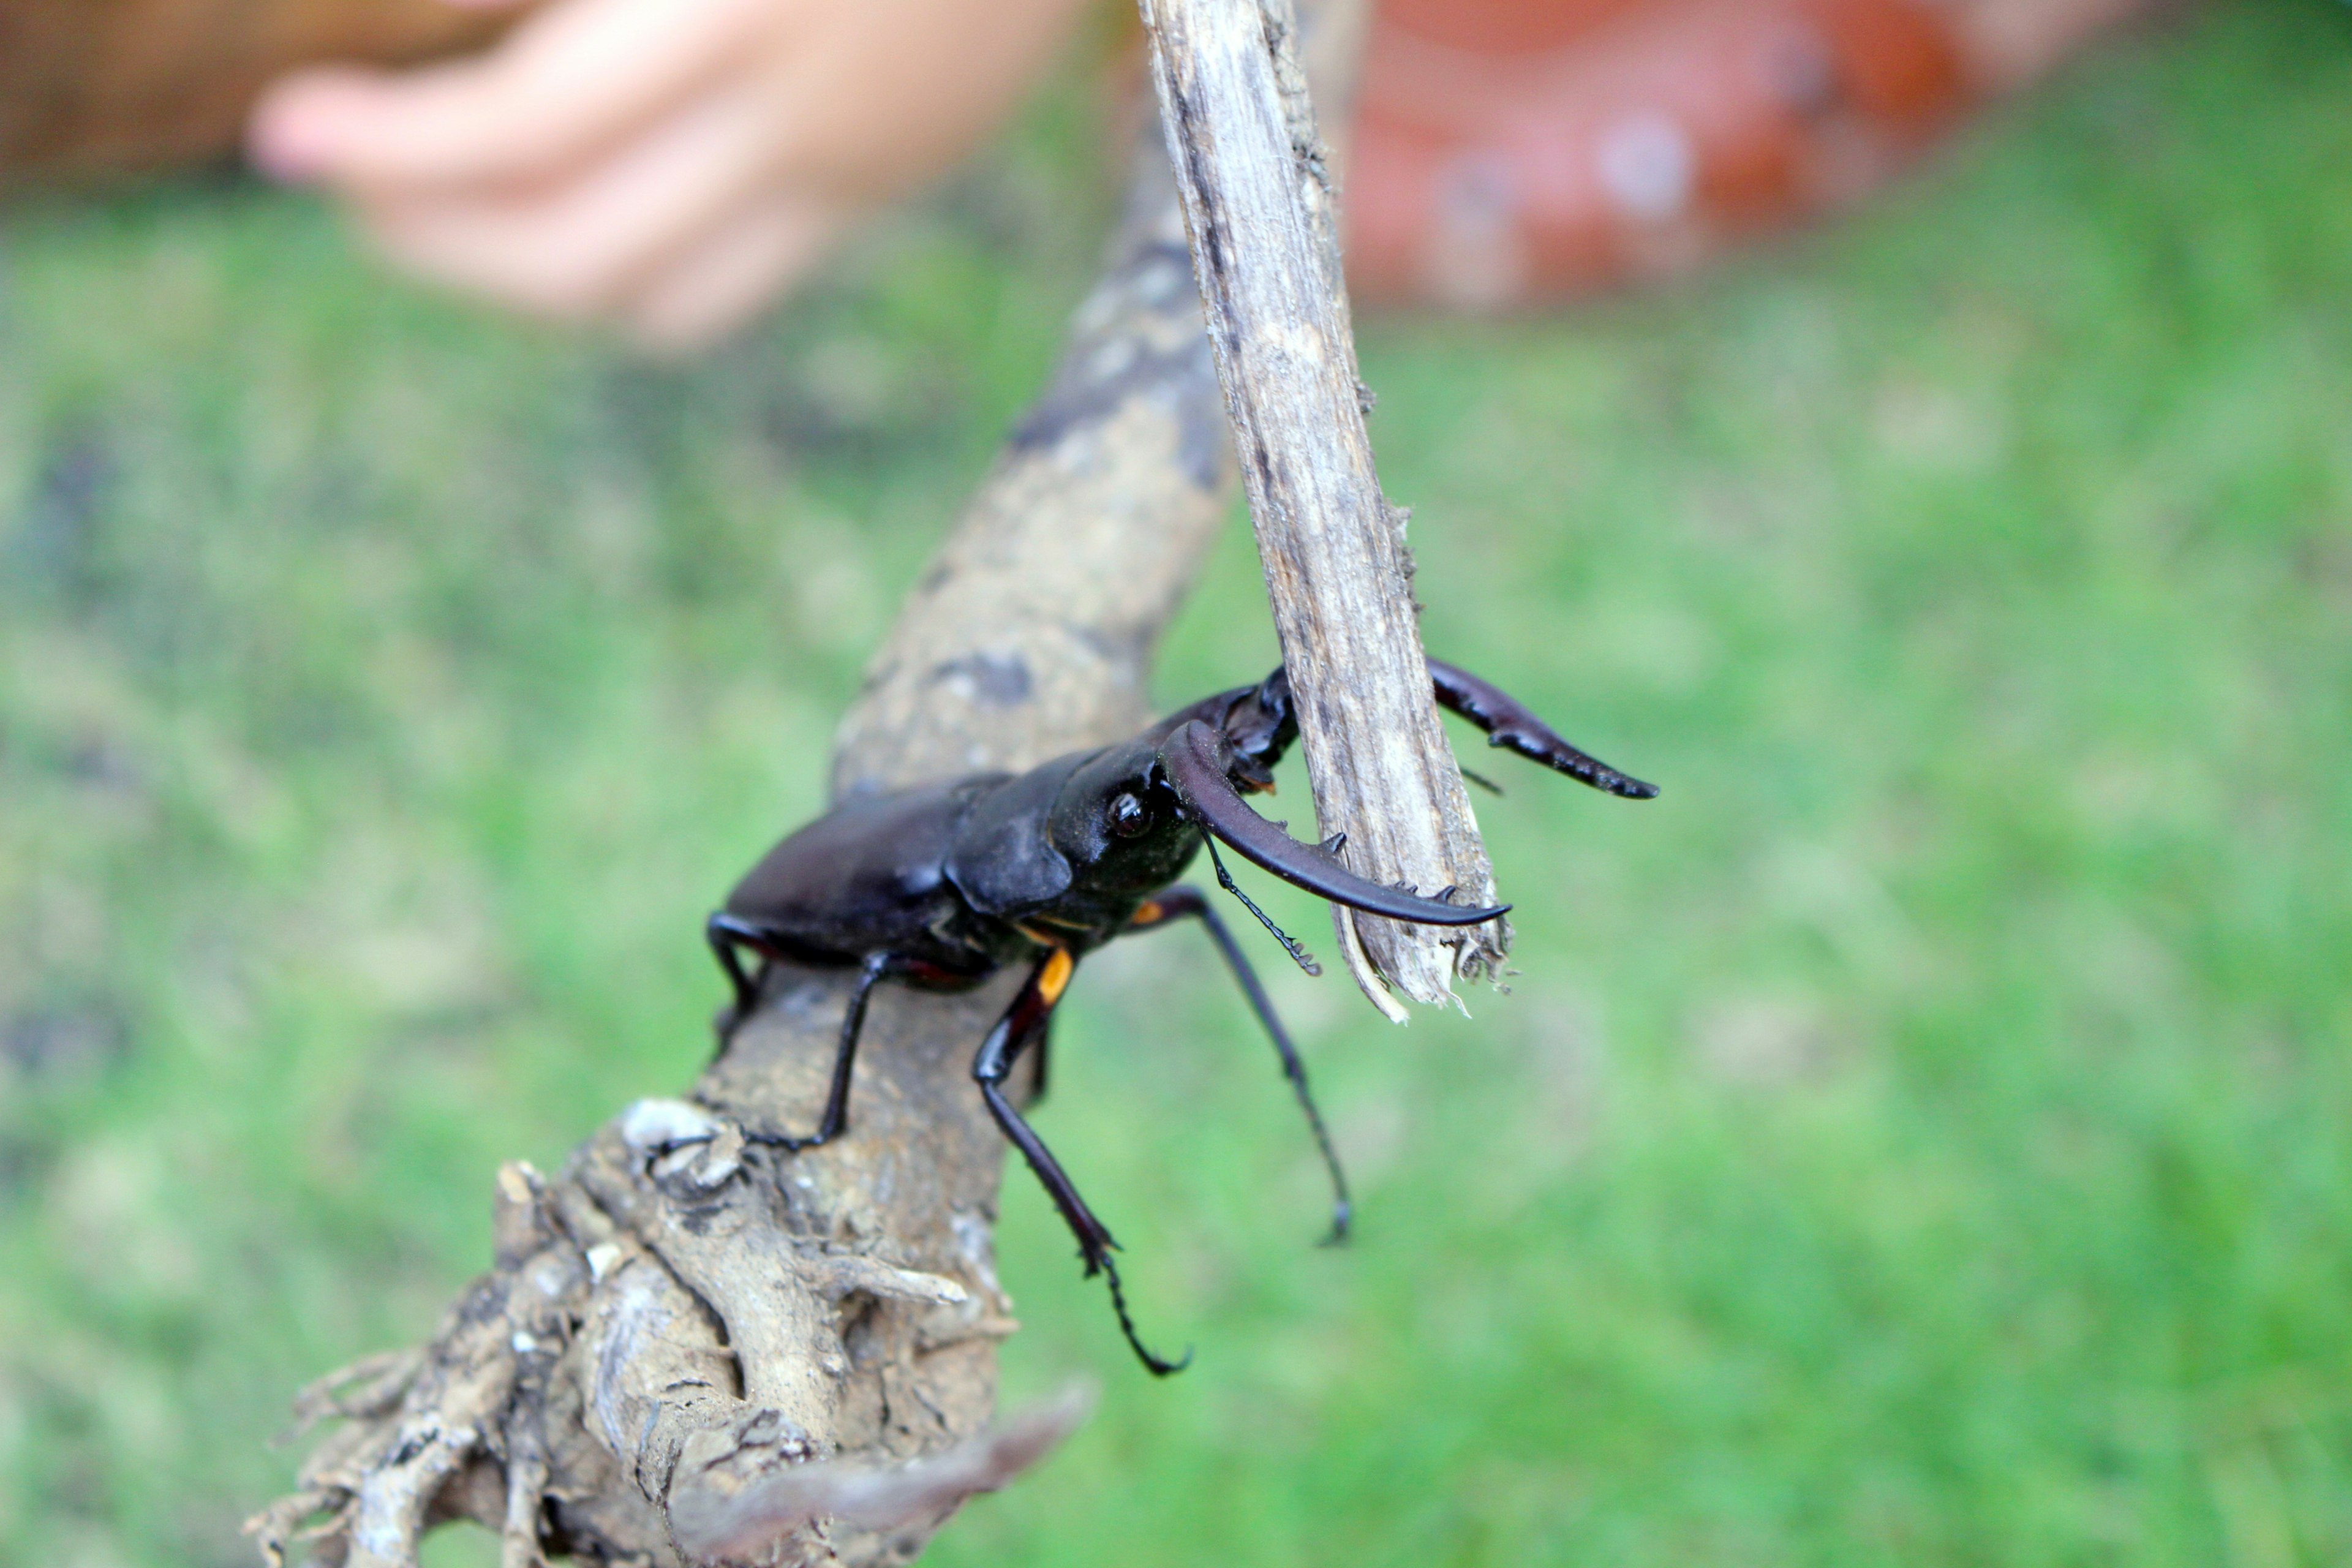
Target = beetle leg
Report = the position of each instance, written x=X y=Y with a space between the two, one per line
x=836 y=1120
x=1038 y=1065
x=852 y=1024
x=725 y=933
x=1024 y=1023
x=1182 y=902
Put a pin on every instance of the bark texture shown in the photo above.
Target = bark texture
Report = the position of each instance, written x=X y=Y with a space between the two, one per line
x=1258 y=204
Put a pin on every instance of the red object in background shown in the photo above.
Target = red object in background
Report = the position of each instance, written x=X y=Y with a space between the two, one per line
x=1514 y=150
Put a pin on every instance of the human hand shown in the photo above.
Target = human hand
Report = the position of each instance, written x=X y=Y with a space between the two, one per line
x=664 y=165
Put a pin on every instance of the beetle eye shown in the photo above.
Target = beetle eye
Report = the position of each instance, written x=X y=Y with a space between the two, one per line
x=1128 y=817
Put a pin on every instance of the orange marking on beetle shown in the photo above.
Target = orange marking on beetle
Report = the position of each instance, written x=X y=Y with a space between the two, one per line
x=1148 y=912
x=1055 y=976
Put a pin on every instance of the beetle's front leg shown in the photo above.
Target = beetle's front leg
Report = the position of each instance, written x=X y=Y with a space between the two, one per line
x=836 y=1119
x=1024 y=1023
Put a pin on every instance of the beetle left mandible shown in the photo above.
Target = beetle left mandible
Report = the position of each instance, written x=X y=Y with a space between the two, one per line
x=940 y=887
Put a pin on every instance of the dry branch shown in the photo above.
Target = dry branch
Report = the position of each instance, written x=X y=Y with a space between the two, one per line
x=1258 y=201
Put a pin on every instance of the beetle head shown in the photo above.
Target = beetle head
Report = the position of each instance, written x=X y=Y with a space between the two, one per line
x=1127 y=819
x=1119 y=823
x=1256 y=729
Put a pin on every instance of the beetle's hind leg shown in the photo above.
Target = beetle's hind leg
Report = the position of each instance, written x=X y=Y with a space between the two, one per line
x=1041 y=1060
x=1181 y=902
x=1023 y=1024
x=835 y=1120
x=726 y=934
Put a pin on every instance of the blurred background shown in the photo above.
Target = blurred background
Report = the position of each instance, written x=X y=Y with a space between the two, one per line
x=1919 y=1138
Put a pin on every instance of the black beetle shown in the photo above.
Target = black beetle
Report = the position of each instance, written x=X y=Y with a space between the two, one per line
x=941 y=886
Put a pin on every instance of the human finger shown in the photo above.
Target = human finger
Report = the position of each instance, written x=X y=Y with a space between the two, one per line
x=877 y=97
x=567 y=82
x=581 y=248
x=709 y=290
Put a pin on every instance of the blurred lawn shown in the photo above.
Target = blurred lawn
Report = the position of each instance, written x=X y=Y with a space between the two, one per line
x=1920 y=1138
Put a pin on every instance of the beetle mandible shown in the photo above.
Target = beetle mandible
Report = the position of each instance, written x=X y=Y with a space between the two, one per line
x=941 y=886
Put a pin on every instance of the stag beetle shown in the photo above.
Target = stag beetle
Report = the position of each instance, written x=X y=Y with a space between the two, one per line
x=940 y=887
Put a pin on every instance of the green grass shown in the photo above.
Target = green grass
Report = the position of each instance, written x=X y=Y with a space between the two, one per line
x=1920 y=1138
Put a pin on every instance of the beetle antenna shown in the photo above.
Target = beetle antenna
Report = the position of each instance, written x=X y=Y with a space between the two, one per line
x=1299 y=955
x=1483 y=782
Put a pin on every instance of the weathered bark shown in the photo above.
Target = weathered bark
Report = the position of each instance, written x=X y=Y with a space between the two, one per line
x=1258 y=206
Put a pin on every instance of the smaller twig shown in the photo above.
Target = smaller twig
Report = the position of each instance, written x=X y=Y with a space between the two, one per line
x=369 y=1387
x=1258 y=208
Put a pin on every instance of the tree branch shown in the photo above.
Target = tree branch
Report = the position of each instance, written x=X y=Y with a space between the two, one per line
x=1258 y=206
